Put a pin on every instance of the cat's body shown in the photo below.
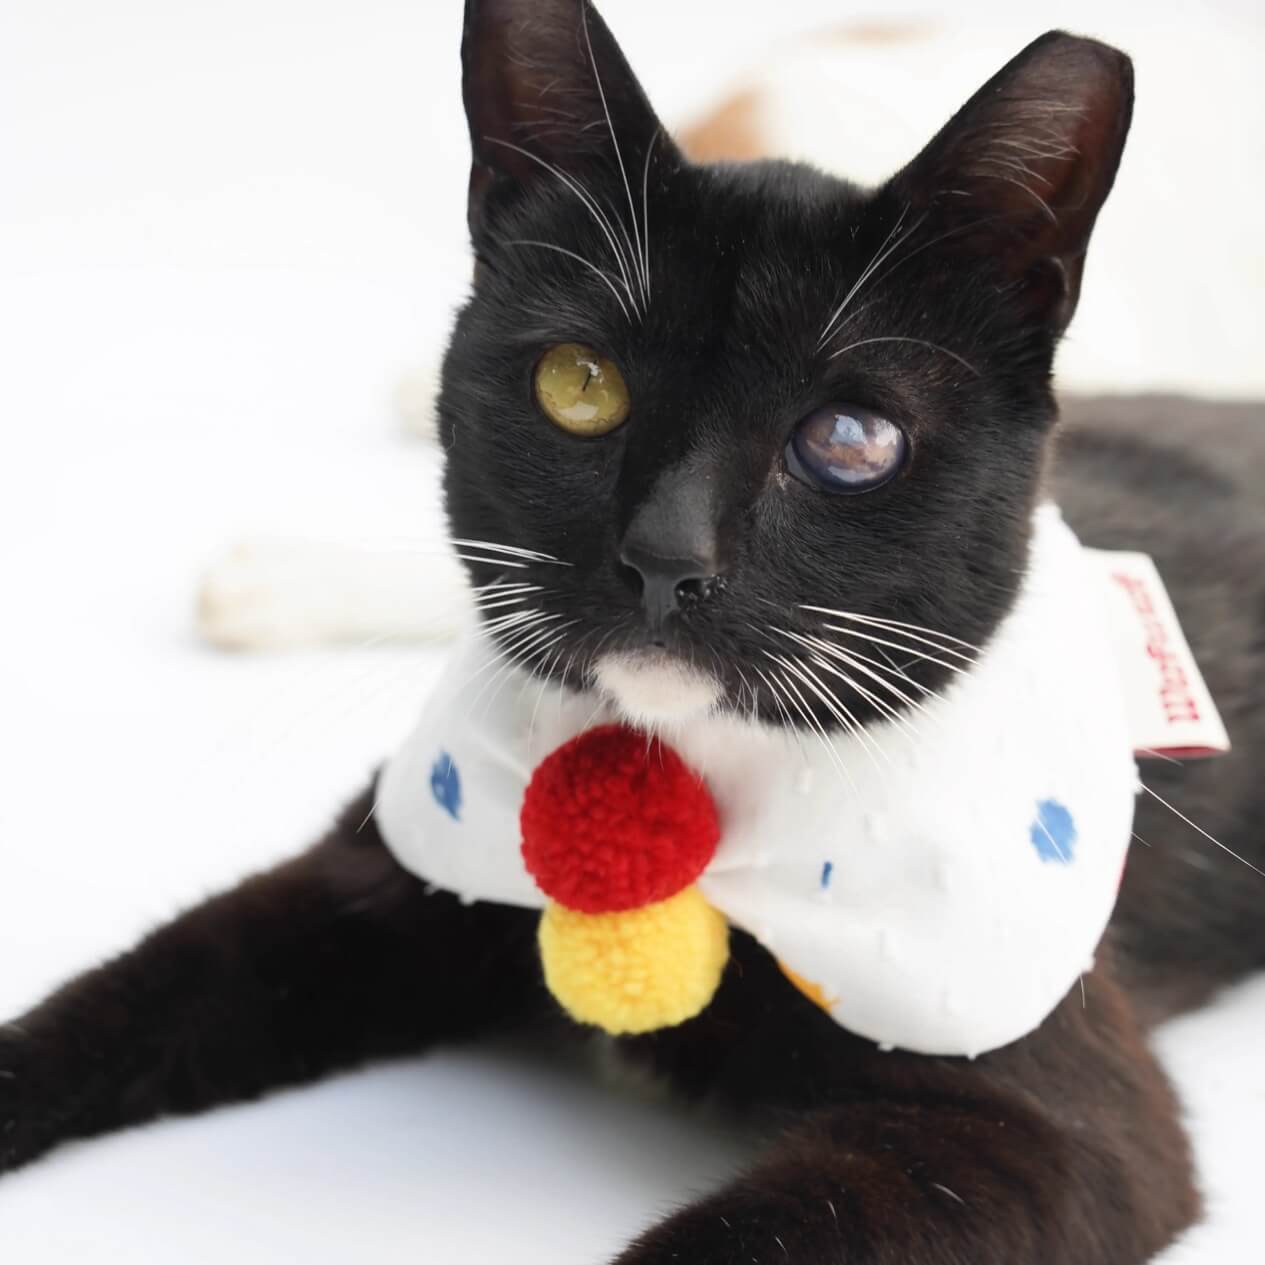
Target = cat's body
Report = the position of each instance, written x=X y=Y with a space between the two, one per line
x=1060 y=1149
x=1182 y=480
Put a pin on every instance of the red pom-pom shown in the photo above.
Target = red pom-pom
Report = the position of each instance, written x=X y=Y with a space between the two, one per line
x=613 y=820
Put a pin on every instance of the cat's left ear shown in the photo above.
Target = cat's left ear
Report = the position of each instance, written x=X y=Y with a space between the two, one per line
x=548 y=94
x=1020 y=172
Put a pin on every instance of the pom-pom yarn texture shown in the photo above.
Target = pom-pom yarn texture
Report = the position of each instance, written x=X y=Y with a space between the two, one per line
x=636 y=970
x=616 y=820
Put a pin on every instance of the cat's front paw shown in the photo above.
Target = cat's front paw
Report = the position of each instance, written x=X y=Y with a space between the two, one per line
x=25 y=1132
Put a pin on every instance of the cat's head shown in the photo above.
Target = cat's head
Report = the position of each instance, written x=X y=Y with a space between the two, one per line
x=761 y=440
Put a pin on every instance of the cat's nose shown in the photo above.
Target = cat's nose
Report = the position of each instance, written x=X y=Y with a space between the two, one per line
x=670 y=552
x=667 y=583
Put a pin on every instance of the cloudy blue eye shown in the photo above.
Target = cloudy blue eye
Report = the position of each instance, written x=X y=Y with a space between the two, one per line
x=846 y=448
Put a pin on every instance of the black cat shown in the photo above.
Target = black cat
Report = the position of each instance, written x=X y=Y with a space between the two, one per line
x=729 y=304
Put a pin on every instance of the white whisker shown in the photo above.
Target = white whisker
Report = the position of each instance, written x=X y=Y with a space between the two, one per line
x=753 y=713
x=1200 y=829
x=836 y=708
x=881 y=704
x=819 y=644
x=915 y=632
x=645 y=205
x=510 y=620
x=594 y=208
x=484 y=606
x=547 y=669
x=1054 y=843
x=777 y=698
x=921 y=342
x=504 y=588
x=619 y=158
x=797 y=700
x=490 y=546
x=897 y=670
x=908 y=729
x=879 y=255
x=1158 y=755
x=606 y=277
x=526 y=638
x=894 y=645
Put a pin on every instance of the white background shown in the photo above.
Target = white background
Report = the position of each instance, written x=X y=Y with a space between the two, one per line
x=225 y=232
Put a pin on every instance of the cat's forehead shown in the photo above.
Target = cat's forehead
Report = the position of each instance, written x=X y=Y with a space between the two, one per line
x=778 y=212
x=761 y=212
x=764 y=245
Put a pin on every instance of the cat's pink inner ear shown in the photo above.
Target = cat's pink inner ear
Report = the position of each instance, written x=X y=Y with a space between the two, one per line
x=1023 y=168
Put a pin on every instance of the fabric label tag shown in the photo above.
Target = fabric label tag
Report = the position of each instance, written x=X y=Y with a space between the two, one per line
x=1170 y=711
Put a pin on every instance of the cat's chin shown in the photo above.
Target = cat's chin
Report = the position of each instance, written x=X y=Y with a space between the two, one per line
x=653 y=689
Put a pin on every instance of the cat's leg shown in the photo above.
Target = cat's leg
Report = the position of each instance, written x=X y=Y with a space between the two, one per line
x=1062 y=1149
x=332 y=958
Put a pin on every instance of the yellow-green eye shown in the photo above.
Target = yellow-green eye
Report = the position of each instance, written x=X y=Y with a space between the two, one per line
x=580 y=392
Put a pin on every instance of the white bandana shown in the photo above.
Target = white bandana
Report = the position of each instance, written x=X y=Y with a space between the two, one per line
x=943 y=881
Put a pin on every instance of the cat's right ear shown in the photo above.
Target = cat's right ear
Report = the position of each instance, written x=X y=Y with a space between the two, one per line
x=548 y=94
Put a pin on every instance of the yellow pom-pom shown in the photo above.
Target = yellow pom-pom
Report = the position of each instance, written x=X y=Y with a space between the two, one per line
x=639 y=969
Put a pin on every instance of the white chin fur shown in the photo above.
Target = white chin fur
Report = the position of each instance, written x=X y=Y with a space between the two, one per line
x=653 y=689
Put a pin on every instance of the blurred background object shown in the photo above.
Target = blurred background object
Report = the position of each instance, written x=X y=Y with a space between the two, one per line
x=231 y=241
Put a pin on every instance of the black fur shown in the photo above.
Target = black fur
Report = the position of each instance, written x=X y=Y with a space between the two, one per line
x=1062 y=1149
x=748 y=263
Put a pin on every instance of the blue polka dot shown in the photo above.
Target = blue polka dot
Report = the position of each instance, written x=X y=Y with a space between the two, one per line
x=1053 y=832
x=826 y=870
x=445 y=785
